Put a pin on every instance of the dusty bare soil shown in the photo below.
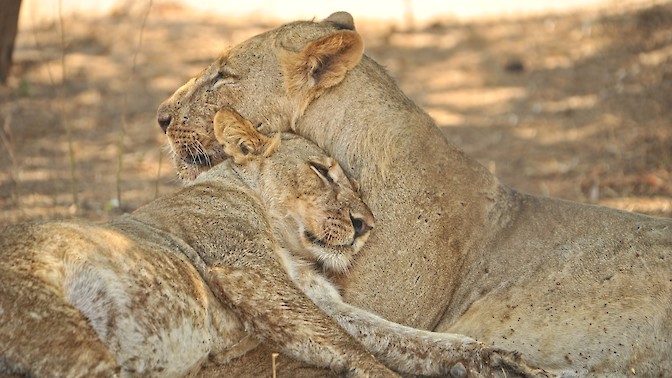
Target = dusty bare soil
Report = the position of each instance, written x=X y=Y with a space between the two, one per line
x=576 y=106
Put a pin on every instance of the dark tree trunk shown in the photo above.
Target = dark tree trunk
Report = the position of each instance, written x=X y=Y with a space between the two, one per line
x=9 y=21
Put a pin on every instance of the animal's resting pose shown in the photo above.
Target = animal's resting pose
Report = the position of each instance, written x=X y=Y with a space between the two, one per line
x=198 y=278
x=578 y=289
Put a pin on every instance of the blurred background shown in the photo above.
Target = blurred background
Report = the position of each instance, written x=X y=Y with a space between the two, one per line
x=568 y=98
x=397 y=11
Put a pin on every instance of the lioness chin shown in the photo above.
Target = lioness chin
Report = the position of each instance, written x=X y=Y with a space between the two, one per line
x=580 y=289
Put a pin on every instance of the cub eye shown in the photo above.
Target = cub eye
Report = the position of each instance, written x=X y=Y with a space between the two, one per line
x=321 y=171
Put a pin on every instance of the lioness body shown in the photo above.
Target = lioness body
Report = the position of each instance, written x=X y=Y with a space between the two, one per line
x=594 y=298
x=578 y=289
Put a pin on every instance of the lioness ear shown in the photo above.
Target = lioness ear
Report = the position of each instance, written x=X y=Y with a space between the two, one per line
x=341 y=20
x=240 y=139
x=323 y=63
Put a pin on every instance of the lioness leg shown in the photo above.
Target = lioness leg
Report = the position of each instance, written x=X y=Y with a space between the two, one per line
x=278 y=311
x=42 y=335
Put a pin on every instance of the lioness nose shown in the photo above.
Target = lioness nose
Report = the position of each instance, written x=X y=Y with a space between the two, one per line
x=361 y=224
x=164 y=120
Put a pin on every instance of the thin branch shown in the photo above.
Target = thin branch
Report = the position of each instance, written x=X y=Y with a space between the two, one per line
x=68 y=130
x=274 y=366
x=124 y=107
x=7 y=137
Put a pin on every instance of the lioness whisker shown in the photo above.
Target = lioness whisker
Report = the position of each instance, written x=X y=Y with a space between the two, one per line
x=203 y=154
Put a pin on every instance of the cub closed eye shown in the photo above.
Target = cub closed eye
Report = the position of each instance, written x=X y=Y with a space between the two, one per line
x=321 y=171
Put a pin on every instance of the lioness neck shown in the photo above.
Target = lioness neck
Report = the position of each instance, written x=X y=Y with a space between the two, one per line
x=374 y=142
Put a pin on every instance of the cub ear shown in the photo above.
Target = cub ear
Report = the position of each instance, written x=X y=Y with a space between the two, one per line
x=322 y=63
x=240 y=139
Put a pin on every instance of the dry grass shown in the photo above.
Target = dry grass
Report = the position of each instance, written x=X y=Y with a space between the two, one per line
x=574 y=106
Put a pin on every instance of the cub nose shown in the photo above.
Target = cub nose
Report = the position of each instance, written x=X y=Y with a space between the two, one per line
x=164 y=120
x=361 y=223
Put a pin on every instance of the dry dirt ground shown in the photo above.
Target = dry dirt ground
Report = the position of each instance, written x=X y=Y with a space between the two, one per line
x=574 y=105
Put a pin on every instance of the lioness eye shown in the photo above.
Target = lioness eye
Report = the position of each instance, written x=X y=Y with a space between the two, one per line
x=321 y=171
x=223 y=78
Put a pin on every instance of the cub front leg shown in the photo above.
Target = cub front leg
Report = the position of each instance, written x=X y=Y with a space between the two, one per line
x=414 y=351
x=279 y=312
x=411 y=350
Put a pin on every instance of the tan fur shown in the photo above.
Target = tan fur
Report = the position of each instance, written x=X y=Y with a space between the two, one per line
x=237 y=134
x=402 y=348
x=324 y=61
x=194 y=280
x=578 y=289
x=135 y=296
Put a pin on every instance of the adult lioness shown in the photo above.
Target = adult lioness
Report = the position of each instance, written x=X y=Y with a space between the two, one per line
x=579 y=289
x=134 y=296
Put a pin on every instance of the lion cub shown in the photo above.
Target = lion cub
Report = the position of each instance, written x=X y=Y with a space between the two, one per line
x=191 y=279
x=199 y=277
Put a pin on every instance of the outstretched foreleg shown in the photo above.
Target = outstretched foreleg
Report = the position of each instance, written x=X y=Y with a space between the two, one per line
x=275 y=309
x=410 y=350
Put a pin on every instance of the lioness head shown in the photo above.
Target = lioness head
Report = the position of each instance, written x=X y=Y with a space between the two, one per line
x=268 y=79
x=315 y=209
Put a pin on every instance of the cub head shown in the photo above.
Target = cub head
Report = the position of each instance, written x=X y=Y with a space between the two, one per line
x=315 y=210
x=269 y=79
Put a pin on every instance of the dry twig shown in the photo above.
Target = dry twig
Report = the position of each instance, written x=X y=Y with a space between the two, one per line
x=124 y=106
